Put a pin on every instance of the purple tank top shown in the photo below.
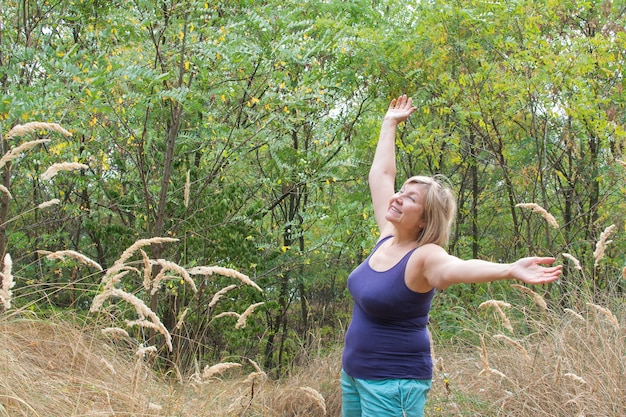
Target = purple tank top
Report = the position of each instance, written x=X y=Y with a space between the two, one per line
x=387 y=336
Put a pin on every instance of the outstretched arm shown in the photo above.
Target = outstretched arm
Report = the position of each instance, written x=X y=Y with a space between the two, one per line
x=442 y=270
x=383 y=170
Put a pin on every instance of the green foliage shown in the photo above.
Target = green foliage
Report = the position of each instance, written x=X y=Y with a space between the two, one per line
x=272 y=109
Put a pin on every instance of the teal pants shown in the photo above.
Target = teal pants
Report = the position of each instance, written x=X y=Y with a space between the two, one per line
x=383 y=398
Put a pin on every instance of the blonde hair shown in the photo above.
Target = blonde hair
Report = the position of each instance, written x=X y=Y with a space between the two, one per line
x=439 y=209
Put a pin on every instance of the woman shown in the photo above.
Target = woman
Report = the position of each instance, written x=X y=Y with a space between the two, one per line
x=387 y=364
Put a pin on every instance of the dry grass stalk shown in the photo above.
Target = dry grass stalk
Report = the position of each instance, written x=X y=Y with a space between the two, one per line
x=574 y=314
x=195 y=378
x=142 y=351
x=484 y=358
x=180 y=321
x=6 y=191
x=147 y=269
x=227 y=272
x=48 y=203
x=513 y=343
x=212 y=371
x=316 y=397
x=136 y=246
x=622 y=163
x=115 y=332
x=598 y=254
x=497 y=305
x=496 y=372
x=606 y=313
x=575 y=377
x=241 y=318
x=62 y=254
x=573 y=259
x=19 y=150
x=155 y=407
x=539 y=300
x=255 y=365
x=227 y=314
x=109 y=281
x=170 y=266
x=108 y=365
x=147 y=324
x=543 y=212
x=6 y=282
x=187 y=189
x=143 y=311
x=21 y=130
x=220 y=293
x=241 y=321
x=557 y=371
x=61 y=166
x=439 y=365
x=254 y=376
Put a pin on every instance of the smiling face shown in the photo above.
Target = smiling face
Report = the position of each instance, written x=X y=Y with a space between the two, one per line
x=406 y=208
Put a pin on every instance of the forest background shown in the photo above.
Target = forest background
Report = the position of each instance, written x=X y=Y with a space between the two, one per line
x=210 y=158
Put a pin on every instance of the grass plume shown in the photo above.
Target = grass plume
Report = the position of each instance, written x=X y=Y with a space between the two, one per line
x=6 y=282
x=241 y=321
x=55 y=168
x=539 y=300
x=220 y=294
x=31 y=127
x=19 y=150
x=497 y=306
x=227 y=272
x=187 y=189
x=241 y=318
x=6 y=191
x=608 y=314
x=147 y=317
x=167 y=266
x=63 y=254
x=543 y=212
x=214 y=370
x=521 y=349
x=48 y=203
x=130 y=251
x=601 y=244
x=574 y=260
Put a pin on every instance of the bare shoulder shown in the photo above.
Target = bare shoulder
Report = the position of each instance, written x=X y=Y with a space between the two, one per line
x=427 y=264
x=428 y=256
x=429 y=250
x=419 y=265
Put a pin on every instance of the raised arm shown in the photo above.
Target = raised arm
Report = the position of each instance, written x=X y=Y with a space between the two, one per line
x=442 y=269
x=382 y=173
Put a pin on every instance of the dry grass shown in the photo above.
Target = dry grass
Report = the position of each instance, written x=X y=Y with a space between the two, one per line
x=57 y=368
x=569 y=363
x=565 y=366
x=6 y=283
x=543 y=212
x=55 y=168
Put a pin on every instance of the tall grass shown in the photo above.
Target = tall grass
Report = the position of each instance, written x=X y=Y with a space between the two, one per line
x=550 y=362
x=564 y=363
